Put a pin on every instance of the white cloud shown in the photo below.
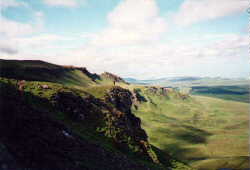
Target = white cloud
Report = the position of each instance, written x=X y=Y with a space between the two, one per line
x=162 y=58
x=64 y=3
x=12 y=28
x=7 y=49
x=11 y=31
x=40 y=41
x=131 y=23
x=8 y=31
x=193 y=11
x=132 y=45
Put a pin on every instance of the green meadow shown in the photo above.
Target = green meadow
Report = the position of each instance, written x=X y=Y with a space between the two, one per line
x=204 y=132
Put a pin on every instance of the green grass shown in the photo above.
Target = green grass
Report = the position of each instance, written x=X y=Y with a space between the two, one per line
x=98 y=91
x=205 y=132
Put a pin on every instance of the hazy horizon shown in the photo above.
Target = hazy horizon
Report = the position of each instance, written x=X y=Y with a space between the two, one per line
x=149 y=39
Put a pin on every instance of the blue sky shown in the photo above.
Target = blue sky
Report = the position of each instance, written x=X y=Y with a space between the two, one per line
x=141 y=39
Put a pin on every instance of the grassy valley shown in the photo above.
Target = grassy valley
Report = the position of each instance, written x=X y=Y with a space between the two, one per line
x=207 y=133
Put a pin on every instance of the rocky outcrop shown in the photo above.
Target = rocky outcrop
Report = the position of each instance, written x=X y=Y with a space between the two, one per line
x=167 y=92
x=120 y=98
x=158 y=90
x=128 y=125
x=111 y=117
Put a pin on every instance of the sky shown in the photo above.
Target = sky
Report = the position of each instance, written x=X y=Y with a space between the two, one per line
x=143 y=39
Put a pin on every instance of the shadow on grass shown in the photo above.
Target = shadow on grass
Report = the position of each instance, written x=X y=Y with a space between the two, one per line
x=177 y=151
x=183 y=135
x=192 y=135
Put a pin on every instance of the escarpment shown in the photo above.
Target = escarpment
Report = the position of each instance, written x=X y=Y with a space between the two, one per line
x=58 y=136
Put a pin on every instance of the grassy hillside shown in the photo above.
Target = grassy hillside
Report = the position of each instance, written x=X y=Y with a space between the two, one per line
x=43 y=71
x=205 y=132
x=36 y=70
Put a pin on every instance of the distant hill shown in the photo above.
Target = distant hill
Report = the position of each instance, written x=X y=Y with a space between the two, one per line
x=37 y=70
x=187 y=81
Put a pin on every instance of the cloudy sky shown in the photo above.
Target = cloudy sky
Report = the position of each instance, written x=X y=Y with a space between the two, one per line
x=132 y=38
